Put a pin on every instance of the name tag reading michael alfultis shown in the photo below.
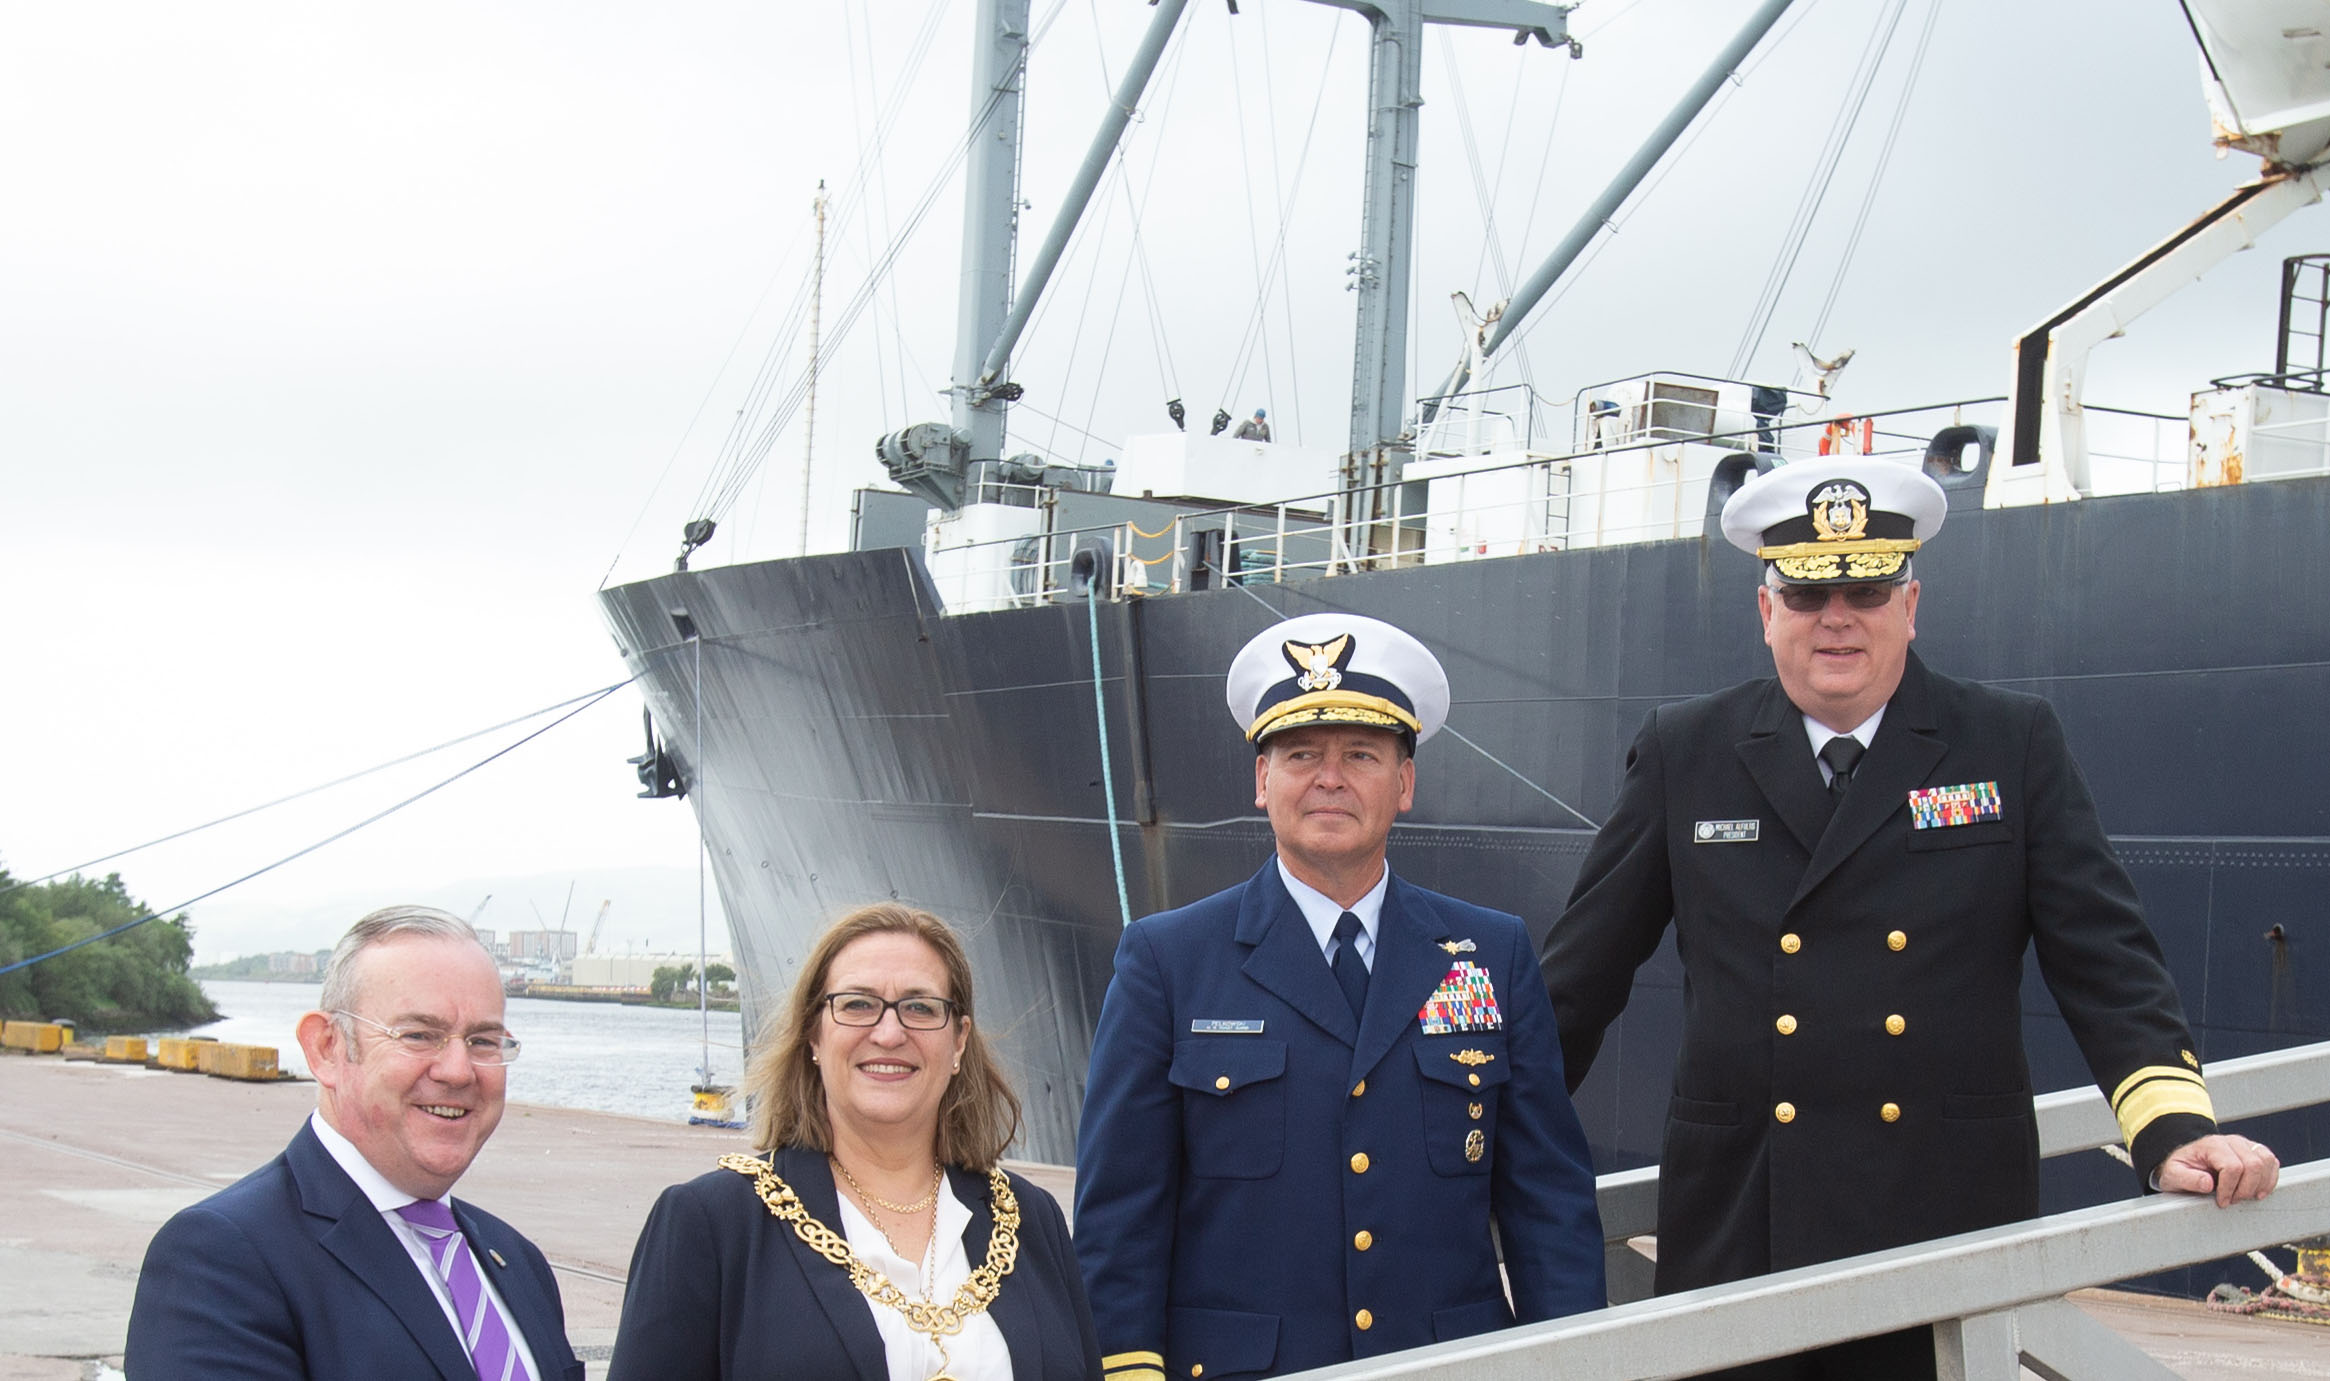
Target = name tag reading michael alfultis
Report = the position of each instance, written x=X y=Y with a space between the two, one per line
x=1218 y=1026
x=1726 y=831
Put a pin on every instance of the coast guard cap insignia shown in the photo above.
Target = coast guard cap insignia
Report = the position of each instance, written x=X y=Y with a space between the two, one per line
x=1321 y=664
x=1458 y=946
x=1475 y=1144
x=1840 y=512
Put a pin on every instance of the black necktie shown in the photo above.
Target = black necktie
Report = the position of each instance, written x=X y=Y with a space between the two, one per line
x=1842 y=754
x=1347 y=968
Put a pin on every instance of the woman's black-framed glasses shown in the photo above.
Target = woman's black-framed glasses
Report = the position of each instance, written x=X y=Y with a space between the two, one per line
x=916 y=1013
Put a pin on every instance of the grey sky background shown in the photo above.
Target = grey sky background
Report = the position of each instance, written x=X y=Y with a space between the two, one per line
x=344 y=353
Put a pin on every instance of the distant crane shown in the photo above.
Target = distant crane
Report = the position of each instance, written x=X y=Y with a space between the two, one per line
x=591 y=946
x=480 y=909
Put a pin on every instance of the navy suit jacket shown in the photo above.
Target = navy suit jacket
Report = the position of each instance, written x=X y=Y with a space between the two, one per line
x=292 y=1272
x=720 y=1288
x=1266 y=1182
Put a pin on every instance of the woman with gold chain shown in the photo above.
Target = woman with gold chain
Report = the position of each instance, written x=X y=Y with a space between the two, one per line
x=875 y=1236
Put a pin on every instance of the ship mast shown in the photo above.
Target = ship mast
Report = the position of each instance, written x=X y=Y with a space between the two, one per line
x=999 y=38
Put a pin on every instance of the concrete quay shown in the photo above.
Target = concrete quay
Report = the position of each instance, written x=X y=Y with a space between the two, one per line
x=94 y=1158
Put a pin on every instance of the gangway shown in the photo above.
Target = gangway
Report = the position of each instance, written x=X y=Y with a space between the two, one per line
x=1995 y=1297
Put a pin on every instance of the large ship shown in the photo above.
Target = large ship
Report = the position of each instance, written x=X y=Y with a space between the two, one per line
x=1004 y=705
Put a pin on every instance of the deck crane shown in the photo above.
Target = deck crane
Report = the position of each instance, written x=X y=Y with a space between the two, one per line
x=591 y=946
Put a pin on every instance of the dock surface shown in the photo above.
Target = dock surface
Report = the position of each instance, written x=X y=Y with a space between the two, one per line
x=94 y=1158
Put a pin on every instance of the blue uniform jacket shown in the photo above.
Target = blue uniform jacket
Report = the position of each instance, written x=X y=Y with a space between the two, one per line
x=1265 y=1183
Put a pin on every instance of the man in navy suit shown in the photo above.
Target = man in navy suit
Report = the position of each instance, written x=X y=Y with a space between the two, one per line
x=343 y=1258
x=1311 y=1095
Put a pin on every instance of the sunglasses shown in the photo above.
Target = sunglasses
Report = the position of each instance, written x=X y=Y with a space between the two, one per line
x=1811 y=599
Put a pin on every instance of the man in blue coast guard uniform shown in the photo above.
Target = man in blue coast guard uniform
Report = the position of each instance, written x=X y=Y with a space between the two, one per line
x=1312 y=1094
x=1856 y=854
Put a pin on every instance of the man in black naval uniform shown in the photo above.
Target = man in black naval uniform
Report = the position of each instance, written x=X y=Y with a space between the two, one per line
x=1855 y=856
x=1311 y=1095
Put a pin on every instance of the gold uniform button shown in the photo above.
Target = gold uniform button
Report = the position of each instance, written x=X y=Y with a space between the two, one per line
x=1789 y=944
x=1894 y=1025
x=1891 y=1112
x=1896 y=941
x=1785 y=1112
x=1223 y=1082
x=1786 y=1025
x=1364 y=1319
x=1473 y=1079
x=1359 y=1163
x=1197 y=1369
x=1363 y=1239
x=1359 y=1088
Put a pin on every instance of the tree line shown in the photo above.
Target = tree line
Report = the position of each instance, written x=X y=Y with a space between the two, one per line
x=134 y=981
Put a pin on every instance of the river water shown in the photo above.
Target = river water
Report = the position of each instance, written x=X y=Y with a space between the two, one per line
x=595 y=1055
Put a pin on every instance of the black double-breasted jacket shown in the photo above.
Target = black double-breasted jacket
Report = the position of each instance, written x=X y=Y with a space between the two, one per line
x=1851 y=1074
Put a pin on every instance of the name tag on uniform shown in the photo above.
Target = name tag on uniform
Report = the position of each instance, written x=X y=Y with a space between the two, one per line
x=1217 y=1026
x=1726 y=831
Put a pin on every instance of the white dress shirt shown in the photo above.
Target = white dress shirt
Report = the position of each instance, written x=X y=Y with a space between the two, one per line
x=1820 y=734
x=387 y=1198
x=1322 y=911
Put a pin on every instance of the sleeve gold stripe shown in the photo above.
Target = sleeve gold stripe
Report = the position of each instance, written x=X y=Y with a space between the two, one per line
x=2150 y=1072
x=2158 y=1098
x=1132 y=1359
x=1138 y=1374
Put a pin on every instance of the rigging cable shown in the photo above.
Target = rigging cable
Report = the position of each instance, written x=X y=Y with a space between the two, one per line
x=1884 y=159
x=1116 y=847
x=1159 y=344
x=1285 y=218
x=1294 y=356
x=749 y=458
x=1253 y=222
x=372 y=819
x=1816 y=189
x=1707 y=121
x=310 y=791
x=1492 y=249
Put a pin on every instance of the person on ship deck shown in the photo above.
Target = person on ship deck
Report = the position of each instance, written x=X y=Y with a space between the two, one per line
x=875 y=1235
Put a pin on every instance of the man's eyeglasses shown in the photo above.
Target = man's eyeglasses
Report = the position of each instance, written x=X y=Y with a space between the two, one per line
x=1811 y=599
x=914 y=1013
x=427 y=1042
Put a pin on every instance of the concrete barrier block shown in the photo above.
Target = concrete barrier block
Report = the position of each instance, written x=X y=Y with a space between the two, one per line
x=39 y=1037
x=125 y=1050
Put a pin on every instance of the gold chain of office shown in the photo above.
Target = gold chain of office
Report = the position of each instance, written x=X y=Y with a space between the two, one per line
x=971 y=1297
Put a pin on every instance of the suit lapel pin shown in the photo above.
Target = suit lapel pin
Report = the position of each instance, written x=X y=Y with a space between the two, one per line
x=497 y=1256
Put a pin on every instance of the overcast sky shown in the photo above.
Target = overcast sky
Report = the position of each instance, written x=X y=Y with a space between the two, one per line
x=344 y=352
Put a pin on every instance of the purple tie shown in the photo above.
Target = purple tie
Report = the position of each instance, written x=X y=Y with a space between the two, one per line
x=483 y=1329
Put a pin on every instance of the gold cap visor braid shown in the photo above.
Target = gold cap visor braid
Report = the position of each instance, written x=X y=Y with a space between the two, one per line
x=1332 y=707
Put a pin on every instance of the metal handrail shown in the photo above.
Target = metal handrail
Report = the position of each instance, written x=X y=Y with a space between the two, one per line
x=2070 y=1121
x=1994 y=1296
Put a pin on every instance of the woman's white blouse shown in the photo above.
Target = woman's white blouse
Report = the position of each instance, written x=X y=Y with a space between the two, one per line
x=978 y=1352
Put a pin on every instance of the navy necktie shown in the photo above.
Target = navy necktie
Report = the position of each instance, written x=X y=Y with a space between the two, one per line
x=1842 y=754
x=1348 y=968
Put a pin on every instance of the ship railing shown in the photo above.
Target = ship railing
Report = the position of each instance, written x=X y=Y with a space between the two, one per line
x=1994 y=1297
x=1381 y=527
x=2130 y=452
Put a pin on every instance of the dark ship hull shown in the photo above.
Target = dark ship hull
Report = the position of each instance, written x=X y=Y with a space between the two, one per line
x=859 y=744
